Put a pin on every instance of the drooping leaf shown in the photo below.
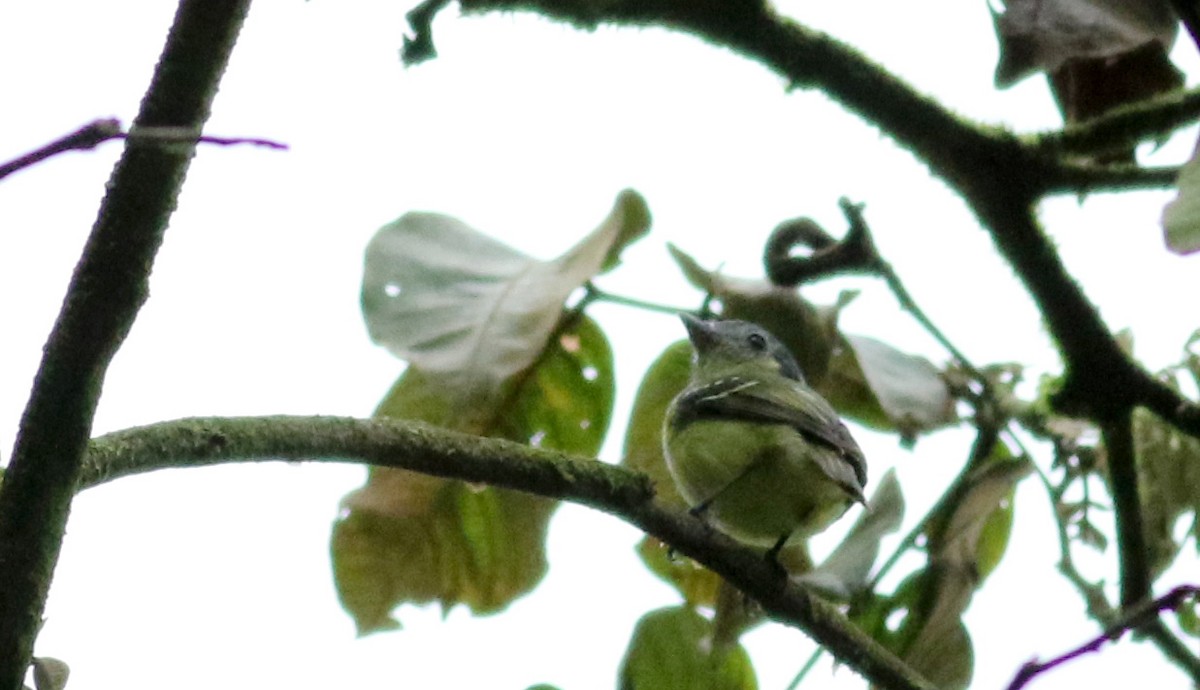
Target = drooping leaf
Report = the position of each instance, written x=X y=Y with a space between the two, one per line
x=459 y=305
x=1098 y=54
x=879 y=386
x=1043 y=35
x=808 y=330
x=407 y=537
x=1181 y=217
x=846 y=571
x=1169 y=482
x=673 y=649
x=966 y=539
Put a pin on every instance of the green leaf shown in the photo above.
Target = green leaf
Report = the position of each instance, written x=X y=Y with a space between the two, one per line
x=673 y=649
x=643 y=452
x=1181 y=217
x=1169 y=482
x=846 y=571
x=882 y=387
x=1188 y=615
x=460 y=305
x=808 y=330
x=966 y=539
x=407 y=537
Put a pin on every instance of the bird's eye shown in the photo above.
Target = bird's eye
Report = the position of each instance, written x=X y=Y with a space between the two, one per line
x=757 y=341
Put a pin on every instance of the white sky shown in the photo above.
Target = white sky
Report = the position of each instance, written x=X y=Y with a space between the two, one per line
x=526 y=130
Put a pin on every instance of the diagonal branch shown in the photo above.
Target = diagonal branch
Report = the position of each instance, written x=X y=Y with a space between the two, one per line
x=1122 y=127
x=106 y=291
x=421 y=448
x=1081 y=178
x=86 y=137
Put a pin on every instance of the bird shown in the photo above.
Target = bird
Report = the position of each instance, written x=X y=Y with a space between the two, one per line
x=755 y=451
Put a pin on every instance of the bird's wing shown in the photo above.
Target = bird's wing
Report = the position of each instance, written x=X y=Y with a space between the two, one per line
x=796 y=405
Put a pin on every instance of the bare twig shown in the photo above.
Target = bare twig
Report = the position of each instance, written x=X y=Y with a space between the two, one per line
x=854 y=253
x=595 y=294
x=1081 y=178
x=184 y=135
x=97 y=132
x=85 y=138
x=1135 y=618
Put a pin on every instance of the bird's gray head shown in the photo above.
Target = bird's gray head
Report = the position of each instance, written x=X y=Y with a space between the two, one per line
x=739 y=341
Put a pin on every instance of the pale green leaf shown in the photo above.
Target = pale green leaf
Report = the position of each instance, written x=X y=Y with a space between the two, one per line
x=846 y=571
x=1181 y=217
x=673 y=649
x=908 y=388
x=458 y=304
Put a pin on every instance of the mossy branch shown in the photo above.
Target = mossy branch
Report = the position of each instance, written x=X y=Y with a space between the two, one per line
x=421 y=448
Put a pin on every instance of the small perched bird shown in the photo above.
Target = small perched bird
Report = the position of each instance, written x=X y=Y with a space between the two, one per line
x=751 y=447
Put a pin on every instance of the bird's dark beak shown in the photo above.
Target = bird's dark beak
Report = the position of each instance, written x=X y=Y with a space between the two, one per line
x=701 y=333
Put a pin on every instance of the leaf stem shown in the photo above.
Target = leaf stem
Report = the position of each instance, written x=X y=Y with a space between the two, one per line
x=595 y=294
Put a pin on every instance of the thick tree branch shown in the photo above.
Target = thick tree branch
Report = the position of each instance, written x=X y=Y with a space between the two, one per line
x=108 y=287
x=449 y=454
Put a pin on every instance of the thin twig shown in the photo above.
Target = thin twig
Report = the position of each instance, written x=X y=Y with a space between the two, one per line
x=595 y=294
x=184 y=135
x=1135 y=618
x=854 y=214
x=1069 y=177
x=1122 y=127
x=806 y=668
x=97 y=132
x=85 y=138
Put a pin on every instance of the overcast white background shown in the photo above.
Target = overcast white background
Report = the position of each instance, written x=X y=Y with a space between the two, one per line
x=526 y=130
